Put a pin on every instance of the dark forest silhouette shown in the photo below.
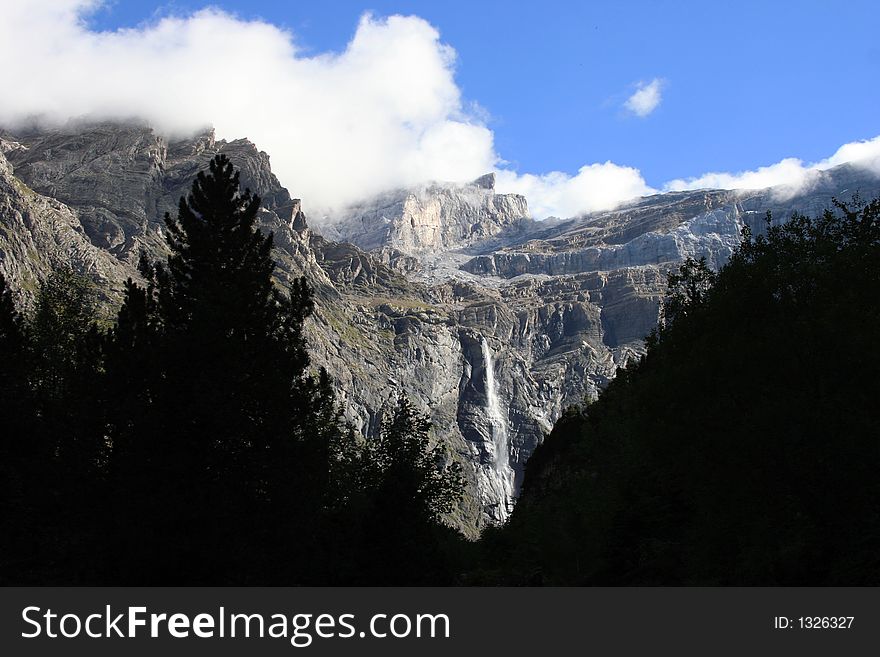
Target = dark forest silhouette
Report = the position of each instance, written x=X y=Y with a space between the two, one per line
x=194 y=443
x=743 y=449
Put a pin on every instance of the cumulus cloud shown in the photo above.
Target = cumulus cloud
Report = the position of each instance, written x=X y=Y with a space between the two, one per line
x=864 y=153
x=595 y=187
x=384 y=112
x=789 y=172
x=646 y=98
x=790 y=175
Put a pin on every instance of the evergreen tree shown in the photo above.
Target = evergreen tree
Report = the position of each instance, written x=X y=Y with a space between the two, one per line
x=191 y=443
x=53 y=440
x=18 y=449
x=411 y=472
x=11 y=337
x=687 y=289
x=64 y=345
x=14 y=393
x=217 y=401
x=413 y=484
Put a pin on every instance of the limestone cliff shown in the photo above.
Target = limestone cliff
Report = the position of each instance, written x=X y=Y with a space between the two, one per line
x=667 y=228
x=431 y=218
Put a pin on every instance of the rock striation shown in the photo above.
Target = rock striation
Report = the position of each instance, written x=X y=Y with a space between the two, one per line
x=431 y=218
x=665 y=229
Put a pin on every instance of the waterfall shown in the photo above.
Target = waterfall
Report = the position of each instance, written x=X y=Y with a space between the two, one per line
x=501 y=478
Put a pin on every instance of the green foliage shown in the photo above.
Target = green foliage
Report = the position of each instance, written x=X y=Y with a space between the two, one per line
x=64 y=357
x=407 y=487
x=15 y=396
x=411 y=472
x=58 y=328
x=18 y=451
x=687 y=289
x=10 y=322
x=743 y=448
x=53 y=429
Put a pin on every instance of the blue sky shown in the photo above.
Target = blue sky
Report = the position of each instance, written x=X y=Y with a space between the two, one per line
x=741 y=85
x=747 y=83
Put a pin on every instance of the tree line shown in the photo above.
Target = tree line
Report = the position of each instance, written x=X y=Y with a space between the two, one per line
x=193 y=442
x=742 y=449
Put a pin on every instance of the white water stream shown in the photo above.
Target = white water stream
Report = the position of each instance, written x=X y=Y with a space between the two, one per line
x=501 y=479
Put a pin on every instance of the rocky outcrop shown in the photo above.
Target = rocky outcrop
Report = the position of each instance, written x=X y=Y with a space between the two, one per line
x=122 y=179
x=39 y=233
x=712 y=235
x=667 y=228
x=431 y=218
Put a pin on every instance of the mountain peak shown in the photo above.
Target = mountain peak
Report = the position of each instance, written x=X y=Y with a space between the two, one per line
x=486 y=181
x=431 y=218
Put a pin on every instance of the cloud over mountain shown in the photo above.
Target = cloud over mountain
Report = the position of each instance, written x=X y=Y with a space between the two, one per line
x=595 y=187
x=385 y=112
x=791 y=175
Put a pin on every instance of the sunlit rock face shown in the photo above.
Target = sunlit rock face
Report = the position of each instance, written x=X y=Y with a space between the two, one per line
x=491 y=322
x=664 y=229
x=431 y=218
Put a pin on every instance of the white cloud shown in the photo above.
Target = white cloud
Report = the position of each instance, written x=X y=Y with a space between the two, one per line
x=595 y=187
x=646 y=98
x=864 y=153
x=790 y=175
x=384 y=112
x=789 y=171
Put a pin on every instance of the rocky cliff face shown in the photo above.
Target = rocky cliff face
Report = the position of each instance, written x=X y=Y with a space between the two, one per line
x=665 y=229
x=39 y=233
x=712 y=233
x=490 y=322
x=432 y=218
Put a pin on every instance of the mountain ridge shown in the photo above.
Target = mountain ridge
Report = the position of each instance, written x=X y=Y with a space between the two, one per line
x=424 y=319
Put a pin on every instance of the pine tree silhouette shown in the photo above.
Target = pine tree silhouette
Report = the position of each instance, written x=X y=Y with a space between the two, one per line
x=412 y=472
x=52 y=440
x=191 y=444
x=19 y=452
x=64 y=342
x=13 y=375
x=220 y=431
x=413 y=486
